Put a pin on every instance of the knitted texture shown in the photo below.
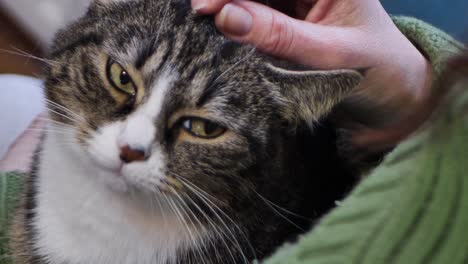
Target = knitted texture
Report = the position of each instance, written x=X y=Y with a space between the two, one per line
x=11 y=185
x=414 y=207
x=433 y=43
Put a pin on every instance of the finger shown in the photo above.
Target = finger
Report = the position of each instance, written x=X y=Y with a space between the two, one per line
x=319 y=10
x=208 y=6
x=302 y=42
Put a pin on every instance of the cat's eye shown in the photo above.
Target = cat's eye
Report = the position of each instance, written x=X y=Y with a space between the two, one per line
x=202 y=128
x=120 y=78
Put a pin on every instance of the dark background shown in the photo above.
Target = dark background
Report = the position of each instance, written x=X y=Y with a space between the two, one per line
x=449 y=15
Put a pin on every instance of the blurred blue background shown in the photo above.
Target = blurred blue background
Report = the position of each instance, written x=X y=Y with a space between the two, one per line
x=449 y=15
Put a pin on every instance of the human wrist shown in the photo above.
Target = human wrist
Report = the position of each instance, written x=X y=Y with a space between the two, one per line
x=434 y=49
x=419 y=105
x=420 y=97
x=404 y=112
x=413 y=108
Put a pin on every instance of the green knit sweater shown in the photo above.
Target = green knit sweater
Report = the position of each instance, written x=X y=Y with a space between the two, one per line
x=412 y=209
x=11 y=185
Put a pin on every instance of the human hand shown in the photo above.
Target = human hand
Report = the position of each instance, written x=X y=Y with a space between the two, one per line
x=393 y=99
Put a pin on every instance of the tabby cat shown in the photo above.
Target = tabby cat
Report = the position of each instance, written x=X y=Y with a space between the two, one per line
x=169 y=143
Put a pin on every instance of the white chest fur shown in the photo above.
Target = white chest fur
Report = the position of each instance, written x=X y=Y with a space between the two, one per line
x=81 y=220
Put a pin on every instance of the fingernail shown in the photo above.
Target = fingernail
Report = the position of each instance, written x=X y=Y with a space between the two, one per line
x=235 y=20
x=198 y=5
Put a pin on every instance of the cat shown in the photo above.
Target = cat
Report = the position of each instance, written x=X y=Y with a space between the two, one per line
x=169 y=143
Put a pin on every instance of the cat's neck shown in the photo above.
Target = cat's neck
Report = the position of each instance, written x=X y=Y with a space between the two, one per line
x=80 y=220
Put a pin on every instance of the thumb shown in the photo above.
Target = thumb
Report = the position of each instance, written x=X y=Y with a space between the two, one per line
x=325 y=47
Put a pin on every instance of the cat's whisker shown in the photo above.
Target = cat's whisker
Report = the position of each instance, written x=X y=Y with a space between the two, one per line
x=204 y=194
x=163 y=21
x=50 y=131
x=180 y=219
x=212 y=206
x=233 y=223
x=59 y=127
x=62 y=115
x=211 y=197
x=232 y=67
x=68 y=140
x=181 y=214
x=193 y=238
x=65 y=109
x=280 y=214
x=281 y=208
x=218 y=230
x=231 y=236
x=22 y=53
x=161 y=211
x=51 y=122
x=196 y=205
x=60 y=112
x=223 y=230
x=50 y=62
x=153 y=207
x=194 y=216
x=61 y=145
x=179 y=198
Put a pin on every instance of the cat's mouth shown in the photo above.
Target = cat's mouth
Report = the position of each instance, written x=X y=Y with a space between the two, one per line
x=136 y=176
x=105 y=164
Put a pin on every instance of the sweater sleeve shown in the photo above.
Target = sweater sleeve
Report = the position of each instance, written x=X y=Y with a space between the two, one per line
x=11 y=186
x=413 y=208
x=436 y=45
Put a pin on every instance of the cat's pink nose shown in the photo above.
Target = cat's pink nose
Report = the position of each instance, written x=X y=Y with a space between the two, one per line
x=129 y=154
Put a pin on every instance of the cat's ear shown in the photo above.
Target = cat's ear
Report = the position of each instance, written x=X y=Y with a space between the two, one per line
x=309 y=95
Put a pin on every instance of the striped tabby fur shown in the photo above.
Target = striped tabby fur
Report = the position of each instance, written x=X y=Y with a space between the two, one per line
x=230 y=199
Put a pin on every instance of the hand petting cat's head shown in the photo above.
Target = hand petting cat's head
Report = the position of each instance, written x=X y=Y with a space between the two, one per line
x=164 y=105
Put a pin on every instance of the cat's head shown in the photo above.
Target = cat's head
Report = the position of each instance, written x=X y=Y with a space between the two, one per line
x=166 y=105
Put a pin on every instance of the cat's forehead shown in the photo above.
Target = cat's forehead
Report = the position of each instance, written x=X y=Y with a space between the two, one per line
x=179 y=43
x=165 y=42
x=138 y=28
x=150 y=34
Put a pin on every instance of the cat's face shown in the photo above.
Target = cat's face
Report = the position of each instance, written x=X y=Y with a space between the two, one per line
x=164 y=105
